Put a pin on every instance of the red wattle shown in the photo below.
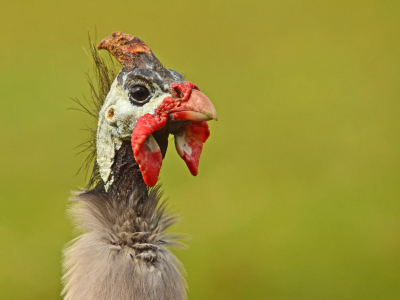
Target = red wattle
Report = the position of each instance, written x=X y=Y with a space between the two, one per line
x=145 y=148
x=150 y=161
x=189 y=144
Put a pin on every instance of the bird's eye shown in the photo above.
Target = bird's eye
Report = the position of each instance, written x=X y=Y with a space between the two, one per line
x=139 y=94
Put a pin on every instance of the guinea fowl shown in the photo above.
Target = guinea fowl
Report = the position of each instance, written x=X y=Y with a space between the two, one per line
x=122 y=252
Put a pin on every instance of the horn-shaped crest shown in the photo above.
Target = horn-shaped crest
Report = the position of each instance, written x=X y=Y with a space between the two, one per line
x=124 y=47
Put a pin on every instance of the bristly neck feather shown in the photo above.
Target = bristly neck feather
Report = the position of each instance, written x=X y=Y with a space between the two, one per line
x=121 y=254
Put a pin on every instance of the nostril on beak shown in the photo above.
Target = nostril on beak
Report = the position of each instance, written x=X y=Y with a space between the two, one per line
x=176 y=92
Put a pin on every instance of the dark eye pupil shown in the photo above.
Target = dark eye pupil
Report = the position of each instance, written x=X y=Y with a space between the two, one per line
x=139 y=93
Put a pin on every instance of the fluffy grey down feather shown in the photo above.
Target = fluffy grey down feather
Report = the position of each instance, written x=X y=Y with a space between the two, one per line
x=121 y=253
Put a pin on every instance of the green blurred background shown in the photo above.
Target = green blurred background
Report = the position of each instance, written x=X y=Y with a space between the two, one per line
x=298 y=191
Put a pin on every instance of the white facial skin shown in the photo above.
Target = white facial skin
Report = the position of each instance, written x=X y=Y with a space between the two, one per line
x=117 y=119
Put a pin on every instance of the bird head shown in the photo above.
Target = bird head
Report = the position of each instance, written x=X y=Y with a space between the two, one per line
x=145 y=104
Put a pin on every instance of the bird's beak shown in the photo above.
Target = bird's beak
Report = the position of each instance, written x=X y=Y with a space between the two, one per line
x=197 y=108
x=186 y=103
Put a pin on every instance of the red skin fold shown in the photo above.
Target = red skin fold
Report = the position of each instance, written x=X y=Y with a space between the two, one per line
x=149 y=162
x=177 y=89
x=149 y=156
x=195 y=135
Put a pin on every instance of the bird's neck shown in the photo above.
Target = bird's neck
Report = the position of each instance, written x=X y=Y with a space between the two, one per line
x=127 y=175
x=122 y=253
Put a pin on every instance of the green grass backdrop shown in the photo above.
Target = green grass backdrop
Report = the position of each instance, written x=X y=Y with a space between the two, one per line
x=298 y=191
